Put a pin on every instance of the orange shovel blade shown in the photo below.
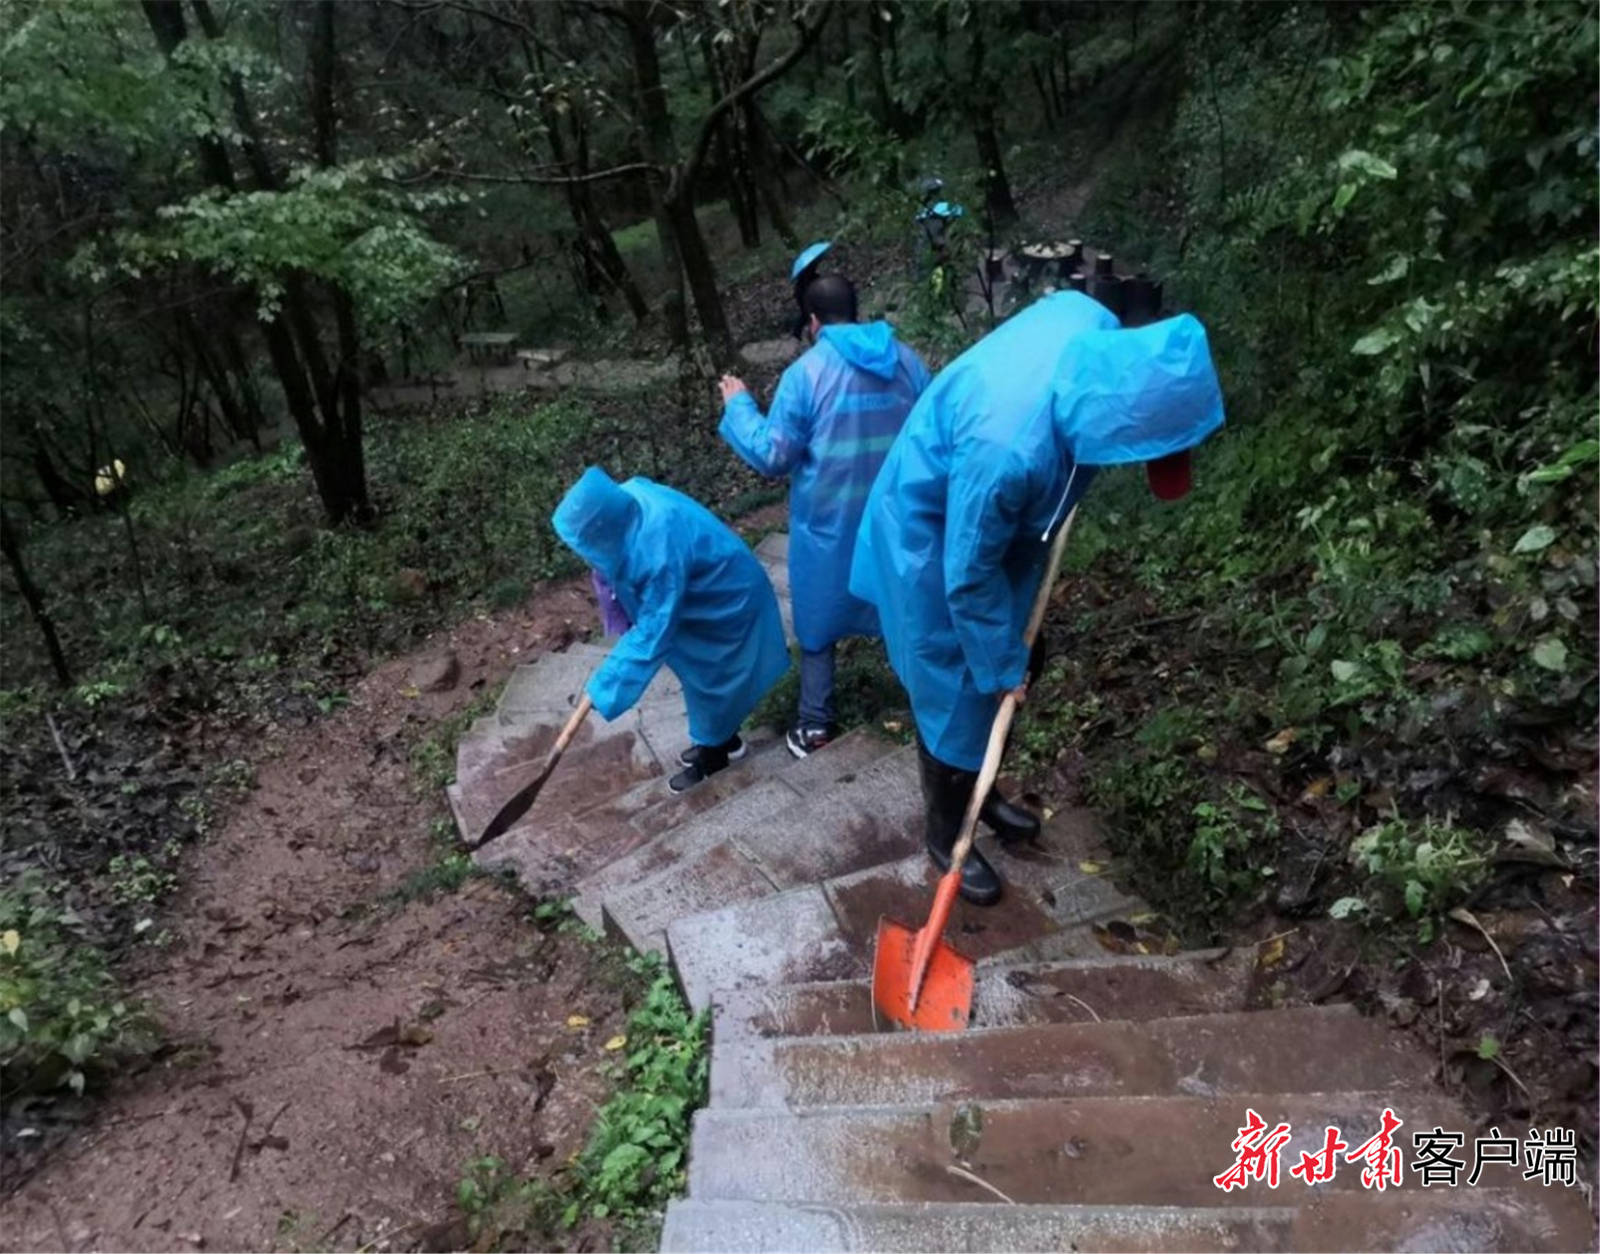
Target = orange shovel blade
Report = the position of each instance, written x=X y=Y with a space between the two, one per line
x=944 y=1003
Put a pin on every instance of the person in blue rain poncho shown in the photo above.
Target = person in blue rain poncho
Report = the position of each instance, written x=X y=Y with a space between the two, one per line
x=835 y=414
x=955 y=534
x=697 y=601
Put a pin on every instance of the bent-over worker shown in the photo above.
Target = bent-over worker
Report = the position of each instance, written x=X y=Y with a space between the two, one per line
x=697 y=601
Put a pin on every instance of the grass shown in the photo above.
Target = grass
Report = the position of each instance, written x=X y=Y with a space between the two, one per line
x=635 y=1159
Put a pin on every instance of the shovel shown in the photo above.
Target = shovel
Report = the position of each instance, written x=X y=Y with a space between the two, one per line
x=918 y=980
x=525 y=796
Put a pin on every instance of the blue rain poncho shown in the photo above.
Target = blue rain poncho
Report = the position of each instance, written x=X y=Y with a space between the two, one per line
x=835 y=414
x=698 y=599
x=998 y=450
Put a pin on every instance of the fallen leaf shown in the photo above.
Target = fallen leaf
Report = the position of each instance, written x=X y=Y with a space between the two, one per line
x=10 y=941
x=411 y=692
x=616 y=1043
x=1090 y=868
x=1280 y=743
x=1319 y=787
x=893 y=725
x=1480 y=990
x=1271 y=954
x=577 y=1021
x=1532 y=844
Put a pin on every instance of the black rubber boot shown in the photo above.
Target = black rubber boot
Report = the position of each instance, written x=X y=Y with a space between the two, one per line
x=1010 y=823
x=945 y=793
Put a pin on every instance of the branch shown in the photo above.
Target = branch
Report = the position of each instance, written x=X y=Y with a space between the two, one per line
x=564 y=180
x=708 y=125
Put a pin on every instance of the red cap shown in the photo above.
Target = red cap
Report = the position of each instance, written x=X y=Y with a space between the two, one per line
x=1171 y=476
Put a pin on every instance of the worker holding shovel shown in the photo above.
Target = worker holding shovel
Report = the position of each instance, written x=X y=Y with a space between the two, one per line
x=991 y=462
x=835 y=414
x=695 y=599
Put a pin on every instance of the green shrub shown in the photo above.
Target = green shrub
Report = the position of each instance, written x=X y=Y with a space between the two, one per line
x=62 y=1018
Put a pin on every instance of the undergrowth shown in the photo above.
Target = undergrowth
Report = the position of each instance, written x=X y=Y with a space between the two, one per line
x=635 y=1159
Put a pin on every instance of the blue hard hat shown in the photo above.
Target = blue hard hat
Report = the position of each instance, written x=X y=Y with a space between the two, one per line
x=808 y=257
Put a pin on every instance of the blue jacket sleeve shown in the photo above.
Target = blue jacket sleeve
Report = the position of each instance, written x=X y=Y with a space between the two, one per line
x=774 y=445
x=615 y=688
x=988 y=496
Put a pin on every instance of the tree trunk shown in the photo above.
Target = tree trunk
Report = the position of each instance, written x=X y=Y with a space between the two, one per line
x=12 y=547
x=310 y=388
x=660 y=150
x=234 y=412
x=341 y=412
x=880 y=35
x=730 y=154
x=766 y=175
x=67 y=499
x=683 y=247
x=601 y=249
x=997 y=190
x=702 y=276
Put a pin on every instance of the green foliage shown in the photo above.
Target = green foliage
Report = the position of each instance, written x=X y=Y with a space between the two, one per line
x=1418 y=870
x=635 y=1157
x=433 y=757
x=443 y=875
x=348 y=225
x=62 y=1018
x=1387 y=230
x=139 y=881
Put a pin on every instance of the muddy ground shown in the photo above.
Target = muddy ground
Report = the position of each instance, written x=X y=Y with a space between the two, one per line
x=334 y=1052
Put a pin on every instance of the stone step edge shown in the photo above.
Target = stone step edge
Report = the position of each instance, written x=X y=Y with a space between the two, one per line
x=1375 y=1099
x=776 y=900
x=1016 y=1219
x=802 y=800
x=878 y=1040
x=594 y=902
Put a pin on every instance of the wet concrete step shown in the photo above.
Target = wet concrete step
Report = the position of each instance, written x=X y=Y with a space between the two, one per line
x=593 y=769
x=698 y=818
x=1476 y=1218
x=550 y=683
x=773 y=554
x=547 y=690
x=1095 y=1151
x=1466 y=1219
x=1305 y=1049
x=696 y=1227
x=826 y=931
x=850 y=825
x=652 y=807
x=1108 y=988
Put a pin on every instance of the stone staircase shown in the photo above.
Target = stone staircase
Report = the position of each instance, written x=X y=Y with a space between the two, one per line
x=1090 y=1105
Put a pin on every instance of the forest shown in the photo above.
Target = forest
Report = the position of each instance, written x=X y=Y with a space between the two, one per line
x=311 y=311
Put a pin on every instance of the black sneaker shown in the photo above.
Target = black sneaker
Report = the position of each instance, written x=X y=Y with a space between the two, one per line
x=735 y=748
x=804 y=741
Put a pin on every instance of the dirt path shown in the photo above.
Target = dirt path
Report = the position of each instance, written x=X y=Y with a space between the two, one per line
x=337 y=1054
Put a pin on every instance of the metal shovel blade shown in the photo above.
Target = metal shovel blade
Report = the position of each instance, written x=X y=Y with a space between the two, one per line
x=943 y=1004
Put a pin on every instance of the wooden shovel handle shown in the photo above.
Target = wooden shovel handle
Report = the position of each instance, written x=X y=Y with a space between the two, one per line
x=571 y=729
x=1008 y=704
